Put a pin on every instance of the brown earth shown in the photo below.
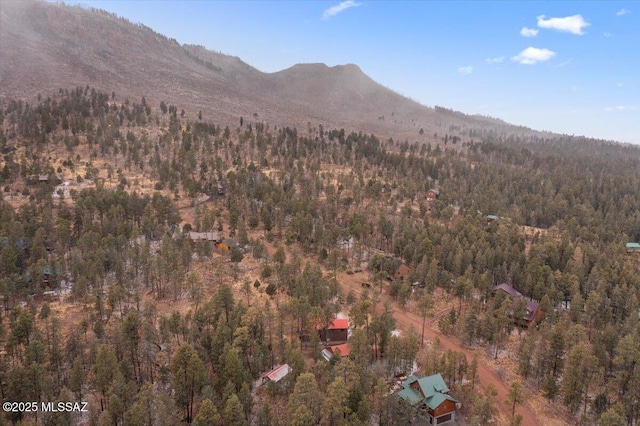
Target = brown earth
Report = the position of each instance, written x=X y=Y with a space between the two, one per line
x=486 y=374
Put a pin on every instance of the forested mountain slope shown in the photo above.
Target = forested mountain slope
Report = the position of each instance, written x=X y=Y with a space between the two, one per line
x=44 y=46
x=137 y=305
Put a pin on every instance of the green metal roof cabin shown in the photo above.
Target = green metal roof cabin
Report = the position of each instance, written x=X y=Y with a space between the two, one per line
x=633 y=247
x=431 y=393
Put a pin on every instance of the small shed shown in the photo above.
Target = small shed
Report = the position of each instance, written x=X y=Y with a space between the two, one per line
x=277 y=374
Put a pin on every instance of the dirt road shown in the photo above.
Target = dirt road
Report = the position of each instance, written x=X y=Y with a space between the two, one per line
x=404 y=320
x=486 y=374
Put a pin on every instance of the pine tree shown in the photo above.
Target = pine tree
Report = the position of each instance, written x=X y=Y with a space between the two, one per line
x=188 y=376
x=336 y=408
x=516 y=396
x=106 y=369
x=233 y=414
x=307 y=394
x=207 y=415
x=425 y=305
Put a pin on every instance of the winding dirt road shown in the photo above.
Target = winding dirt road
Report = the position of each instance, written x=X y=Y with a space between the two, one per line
x=486 y=375
x=405 y=320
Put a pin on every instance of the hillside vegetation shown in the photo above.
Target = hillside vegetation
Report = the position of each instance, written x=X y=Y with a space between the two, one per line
x=106 y=299
x=45 y=46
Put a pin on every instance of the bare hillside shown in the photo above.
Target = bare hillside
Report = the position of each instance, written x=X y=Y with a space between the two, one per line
x=44 y=47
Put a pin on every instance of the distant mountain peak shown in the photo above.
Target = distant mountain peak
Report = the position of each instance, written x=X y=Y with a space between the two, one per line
x=350 y=67
x=47 y=46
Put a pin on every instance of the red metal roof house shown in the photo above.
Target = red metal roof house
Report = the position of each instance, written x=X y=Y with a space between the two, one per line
x=335 y=333
x=276 y=374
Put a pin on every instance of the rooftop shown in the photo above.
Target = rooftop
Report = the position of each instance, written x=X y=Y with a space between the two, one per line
x=531 y=307
x=432 y=390
x=508 y=289
x=335 y=324
x=277 y=373
x=209 y=236
x=344 y=349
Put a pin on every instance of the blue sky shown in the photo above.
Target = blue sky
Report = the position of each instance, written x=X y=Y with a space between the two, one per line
x=567 y=67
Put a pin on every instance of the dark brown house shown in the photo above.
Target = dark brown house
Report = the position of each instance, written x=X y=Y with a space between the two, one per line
x=402 y=272
x=433 y=194
x=532 y=314
x=335 y=333
x=395 y=268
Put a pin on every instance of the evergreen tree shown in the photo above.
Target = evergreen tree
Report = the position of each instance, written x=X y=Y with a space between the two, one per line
x=188 y=377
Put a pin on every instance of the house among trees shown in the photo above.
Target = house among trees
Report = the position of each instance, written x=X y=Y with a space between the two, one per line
x=22 y=244
x=335 y=333
x=277 y=374
x=396 y=268
x=433 y=194
x=432 y=394
x=633 y=248
x=344 y=350
x=345 y=245
x=205 y=236
x=401 y=272
x=225 y=246
x=213 y=236
x=47 y=273
x=532 y=312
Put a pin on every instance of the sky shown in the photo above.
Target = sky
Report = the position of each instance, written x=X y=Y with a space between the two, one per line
x=567 y=67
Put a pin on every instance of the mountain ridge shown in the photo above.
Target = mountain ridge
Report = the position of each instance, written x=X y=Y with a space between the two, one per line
x=47 y=46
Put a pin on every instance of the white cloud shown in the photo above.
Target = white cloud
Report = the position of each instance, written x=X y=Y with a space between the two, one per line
x=533 y=55
x=620 y=85
x=606 y=34
x=465 y=70
x=564 y=64
x=571 y=24
x=622 y=12
x=528 y=32
x=334 y=10
x=495 y=60
x=622 y=108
